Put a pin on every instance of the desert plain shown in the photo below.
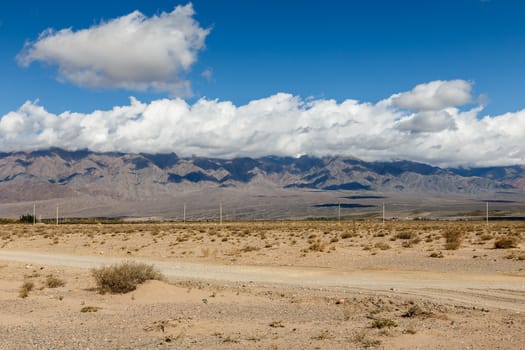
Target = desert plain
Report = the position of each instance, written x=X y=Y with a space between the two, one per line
x=353 y=284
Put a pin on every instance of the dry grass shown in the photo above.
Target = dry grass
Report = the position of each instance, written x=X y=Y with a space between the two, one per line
x=54 y=282
x=275 y=242
x=506 y=242
x=26 y=287
x=383 y=323
x=436 y=255
x=453 y=237
x=516 y=256
x=124 y=277
x=382 y=245
x=89 y=309
x=414 y=311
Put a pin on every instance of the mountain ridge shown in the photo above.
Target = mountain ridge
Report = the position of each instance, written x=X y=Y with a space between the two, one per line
x=134 y=177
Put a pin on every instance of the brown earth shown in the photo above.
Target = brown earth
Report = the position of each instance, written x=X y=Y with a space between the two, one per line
x=267 y=285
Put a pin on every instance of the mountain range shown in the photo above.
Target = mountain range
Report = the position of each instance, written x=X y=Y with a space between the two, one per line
x=85 y=183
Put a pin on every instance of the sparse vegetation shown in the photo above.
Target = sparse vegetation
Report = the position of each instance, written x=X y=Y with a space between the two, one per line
x=516 y=256
x=506 y=242
x=124 y=277
x=27 y=219
x=415 y=310
x=382 y=245
x=383 y=323
x=89 y=309
x=325 y=334
x=453 y=237
x=277 y=324
x=26 y=287
x=436 y=255
x=54 y=282
x=353 y=320
x=405 y=235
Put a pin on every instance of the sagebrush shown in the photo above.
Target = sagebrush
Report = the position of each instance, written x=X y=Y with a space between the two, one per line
x=124 y=277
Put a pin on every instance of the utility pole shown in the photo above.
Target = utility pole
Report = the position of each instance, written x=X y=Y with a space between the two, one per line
x=57 y=216
x=184 y=214
x=383 y=213
x=34 y=213
x=487 y=213
x=339 y=213
x=220 y=213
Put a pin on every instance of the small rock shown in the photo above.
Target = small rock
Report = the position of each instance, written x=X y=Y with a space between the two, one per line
x=340 y=301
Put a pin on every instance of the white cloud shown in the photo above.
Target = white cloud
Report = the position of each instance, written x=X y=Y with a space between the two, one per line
x=132 y=52
x=435 y=95
x=281 y=124
x=427 y=121
x=207 y=74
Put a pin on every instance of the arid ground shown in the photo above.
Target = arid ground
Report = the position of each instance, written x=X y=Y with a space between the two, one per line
x=267 y=285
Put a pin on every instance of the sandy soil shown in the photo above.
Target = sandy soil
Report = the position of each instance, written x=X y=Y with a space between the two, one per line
x=267 y=285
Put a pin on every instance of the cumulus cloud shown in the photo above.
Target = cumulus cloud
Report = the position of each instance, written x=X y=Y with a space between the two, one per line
x=427 y=121
x=281 y=124
x=435 y=95
x=133 y=52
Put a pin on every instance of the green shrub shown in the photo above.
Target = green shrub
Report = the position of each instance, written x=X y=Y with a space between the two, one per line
x=27 y=219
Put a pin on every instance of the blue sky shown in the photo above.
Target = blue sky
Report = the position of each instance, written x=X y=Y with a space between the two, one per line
x=334 y=49
x=360 y=50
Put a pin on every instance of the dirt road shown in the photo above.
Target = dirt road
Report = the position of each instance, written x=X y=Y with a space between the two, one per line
x=481 y=290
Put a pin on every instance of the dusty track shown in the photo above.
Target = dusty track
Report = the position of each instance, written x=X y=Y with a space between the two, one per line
x=480 y=290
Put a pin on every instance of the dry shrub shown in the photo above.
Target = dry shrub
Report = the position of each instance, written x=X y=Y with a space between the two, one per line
x=414 y=311
x=486 y=237
x=54 y=282
x=27 y=286
x=405 y=235
x=383 y=323
x=317 y=246
x=506 y=242
x=124 y=277
x=437 y=255
x=324 y=335
x=277 y=324
x=346 y=235
x=516 y=256
x=453 y=238
x=90 y=309
x=249 y=248
x=366 y=341
x=382 y=245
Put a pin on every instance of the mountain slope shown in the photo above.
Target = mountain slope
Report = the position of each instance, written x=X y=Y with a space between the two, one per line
x=104 y=177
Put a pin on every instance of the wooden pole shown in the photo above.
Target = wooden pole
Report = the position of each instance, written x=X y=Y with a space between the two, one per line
x=34 y=213
x=184 y=213
x=220 y=213
x=57 y=216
